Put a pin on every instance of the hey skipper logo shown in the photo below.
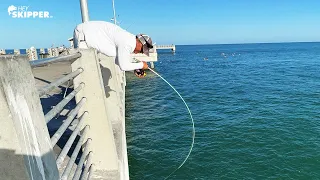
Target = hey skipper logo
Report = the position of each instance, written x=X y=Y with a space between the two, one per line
x=25 y=12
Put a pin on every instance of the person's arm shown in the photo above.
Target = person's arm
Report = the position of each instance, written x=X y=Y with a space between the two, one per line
x=125 y=60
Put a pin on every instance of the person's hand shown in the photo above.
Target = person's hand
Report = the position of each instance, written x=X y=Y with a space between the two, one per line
x=140 y=73
x=145 y=65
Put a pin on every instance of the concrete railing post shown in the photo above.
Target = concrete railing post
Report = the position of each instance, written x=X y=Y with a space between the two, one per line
x=103 y=146
x=25 y=148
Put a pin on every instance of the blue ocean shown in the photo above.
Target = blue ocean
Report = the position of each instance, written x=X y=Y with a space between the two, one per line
x=256 y=109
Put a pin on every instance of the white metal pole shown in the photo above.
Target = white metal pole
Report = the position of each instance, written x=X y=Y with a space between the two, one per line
x=84 y=10
x=114 y=13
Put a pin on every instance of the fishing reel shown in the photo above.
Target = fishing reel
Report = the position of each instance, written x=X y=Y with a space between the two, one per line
x=140 y=73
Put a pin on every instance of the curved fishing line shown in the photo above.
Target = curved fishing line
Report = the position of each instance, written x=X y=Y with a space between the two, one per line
x=193 y=129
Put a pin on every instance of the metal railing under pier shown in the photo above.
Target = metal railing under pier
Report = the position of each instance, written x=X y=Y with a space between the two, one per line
x=20 y=104
x=47 y=61
x=85 y=163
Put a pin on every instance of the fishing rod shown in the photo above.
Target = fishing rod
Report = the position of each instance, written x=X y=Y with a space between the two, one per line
x=193 y=129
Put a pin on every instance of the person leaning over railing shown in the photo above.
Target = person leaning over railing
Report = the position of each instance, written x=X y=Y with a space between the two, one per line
x=112 y=40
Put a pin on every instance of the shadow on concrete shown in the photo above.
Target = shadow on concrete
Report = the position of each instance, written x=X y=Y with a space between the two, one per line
x=106 y=76
x=69 y=83
x=20 y=166
x=43 y=80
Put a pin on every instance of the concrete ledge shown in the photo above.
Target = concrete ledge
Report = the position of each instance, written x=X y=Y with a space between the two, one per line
x=103 y=146
x=153 y=57
x=113 y=82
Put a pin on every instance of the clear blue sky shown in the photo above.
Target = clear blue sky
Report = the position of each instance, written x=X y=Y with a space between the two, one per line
x=169 y=21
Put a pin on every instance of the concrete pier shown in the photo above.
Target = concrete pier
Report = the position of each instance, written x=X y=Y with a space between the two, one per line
x=172 y=47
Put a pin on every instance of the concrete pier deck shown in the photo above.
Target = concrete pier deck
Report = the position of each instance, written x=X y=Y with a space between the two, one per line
x=47 y=74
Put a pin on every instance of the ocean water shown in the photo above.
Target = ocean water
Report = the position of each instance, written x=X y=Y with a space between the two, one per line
x=256 y=109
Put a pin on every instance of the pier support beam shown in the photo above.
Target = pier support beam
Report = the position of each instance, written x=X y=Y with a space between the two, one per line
x=152 y=65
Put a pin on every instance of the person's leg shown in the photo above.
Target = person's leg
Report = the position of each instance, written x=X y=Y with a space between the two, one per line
x=75 y=39
x=79 y=40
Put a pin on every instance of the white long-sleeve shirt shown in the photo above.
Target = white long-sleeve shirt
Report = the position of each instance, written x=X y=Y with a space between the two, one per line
x=111 y=40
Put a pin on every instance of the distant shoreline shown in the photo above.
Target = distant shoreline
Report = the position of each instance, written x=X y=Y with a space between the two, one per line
x=11 y=49
x=245 y=43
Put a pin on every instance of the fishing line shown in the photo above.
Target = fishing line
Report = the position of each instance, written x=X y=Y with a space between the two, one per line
x=193 y=129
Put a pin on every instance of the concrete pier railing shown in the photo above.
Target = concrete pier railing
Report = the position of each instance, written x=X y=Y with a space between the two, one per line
x=36 y=53
x=96 y=146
